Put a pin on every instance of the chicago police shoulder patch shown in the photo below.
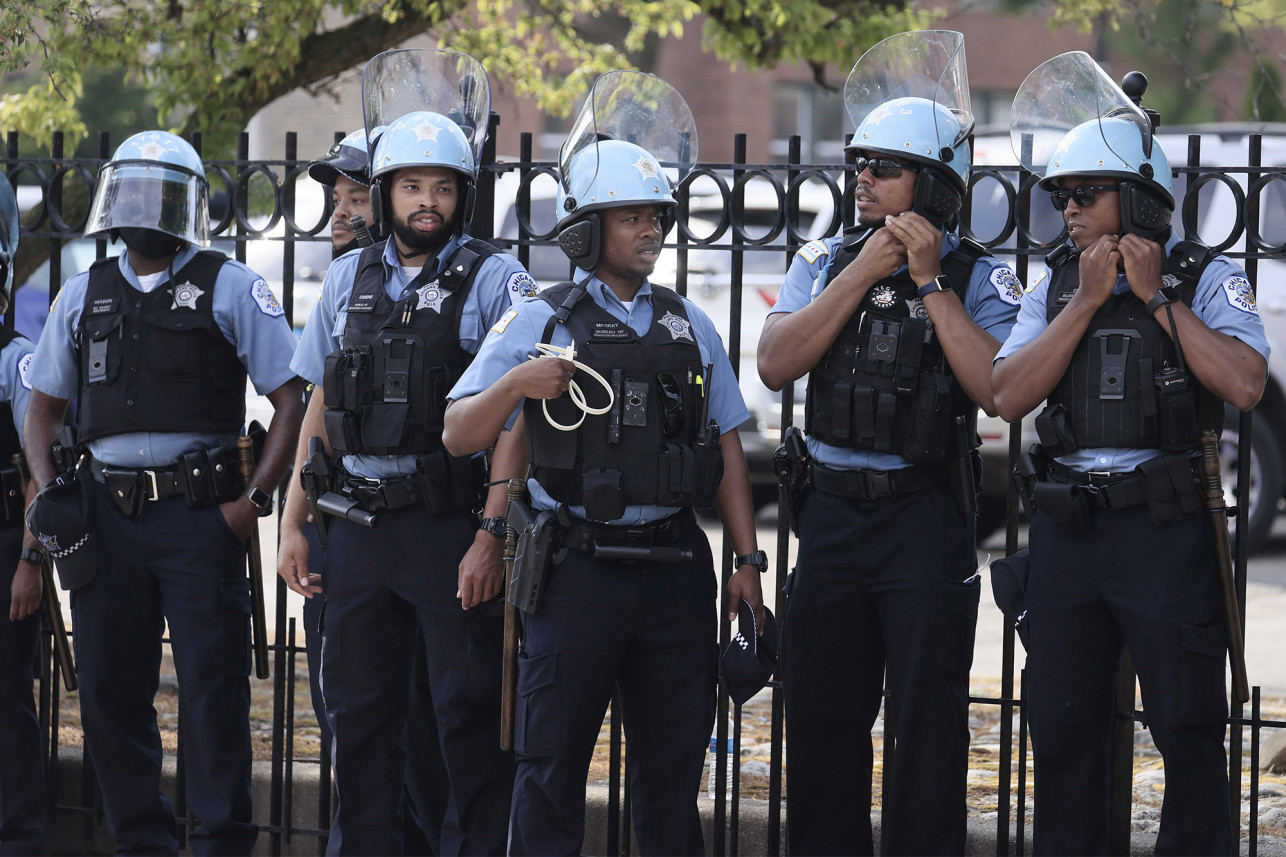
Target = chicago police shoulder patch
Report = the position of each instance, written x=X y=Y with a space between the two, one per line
x=1007 y=284
x=266 y=300
x=499 y=326
x=812 y=251
x=24 y=367
x=1240 y=295
x=522 y=285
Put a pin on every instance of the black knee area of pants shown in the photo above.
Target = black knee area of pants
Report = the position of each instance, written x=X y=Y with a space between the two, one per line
x=234 y=608
x=1201 y=694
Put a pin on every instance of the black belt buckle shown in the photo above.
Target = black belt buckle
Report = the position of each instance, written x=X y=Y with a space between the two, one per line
x=877 y=484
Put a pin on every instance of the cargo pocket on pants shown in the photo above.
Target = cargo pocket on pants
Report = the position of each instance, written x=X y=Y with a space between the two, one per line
x=234 y=614
x=538 y=714
x=954 y=624
x=1202 y=696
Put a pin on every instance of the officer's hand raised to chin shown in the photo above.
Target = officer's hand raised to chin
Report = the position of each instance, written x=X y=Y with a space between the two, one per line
x=1142 y=260
x=1099 y=265
x=923 y=243
x=881 y=255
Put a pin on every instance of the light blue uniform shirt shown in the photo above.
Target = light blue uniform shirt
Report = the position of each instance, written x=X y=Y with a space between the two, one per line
x=1223 y=301
x=15 y=386
x=499 y=279
x=513 y=340
x=248 y=316
x=991 y=300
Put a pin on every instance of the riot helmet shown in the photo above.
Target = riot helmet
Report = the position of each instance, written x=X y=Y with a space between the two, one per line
x=8 y=238
x=908 y=97
x=632 y=143
x=1070 y=119
x=350 y=157
x=154 y=186
x=424 y=108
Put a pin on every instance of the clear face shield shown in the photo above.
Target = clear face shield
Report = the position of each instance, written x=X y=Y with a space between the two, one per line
x=451 y=83
x=928 y=64
x=632 y=107
x=1064 y=93
x=9 y=227
x=149 y=195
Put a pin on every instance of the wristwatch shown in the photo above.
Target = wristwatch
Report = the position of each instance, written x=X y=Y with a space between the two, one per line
x=758 y=559
x=1165 y=295
x=939 y=283
x=260 y=498
x=497 y=526
x=32 y=556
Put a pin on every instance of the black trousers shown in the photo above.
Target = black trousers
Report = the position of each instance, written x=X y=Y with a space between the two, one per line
x=1126 y=581
x=648 y=628
x=881 y=598
x=22 y=773
x=383 y=586
x=182 y=568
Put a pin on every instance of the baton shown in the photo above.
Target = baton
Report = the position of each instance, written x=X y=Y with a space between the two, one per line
x=53 y=609
x=258 y=626
x=513 y=632
x=1219 y=519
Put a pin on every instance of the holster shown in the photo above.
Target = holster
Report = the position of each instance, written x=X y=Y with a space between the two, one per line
x=790 y=464
x=1031 y=467
x=537 y=543
x=63 y=450
x=316 y=478
x=1064 y=504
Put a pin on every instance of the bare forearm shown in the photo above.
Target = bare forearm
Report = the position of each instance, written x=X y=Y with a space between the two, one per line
x=43 y=422
x=508 y=461
x=969 y=348
x=313 y=425
x=474 y=422
x=733 y=500
x=283 y=434
x=1226 y=366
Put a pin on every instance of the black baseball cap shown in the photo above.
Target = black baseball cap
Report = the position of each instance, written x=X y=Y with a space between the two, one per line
x=61 y=517
x=751 y=656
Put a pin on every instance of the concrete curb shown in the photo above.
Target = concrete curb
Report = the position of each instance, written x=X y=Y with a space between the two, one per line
x=75 y=832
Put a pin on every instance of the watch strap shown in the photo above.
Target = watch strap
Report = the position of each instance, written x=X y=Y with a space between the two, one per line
x=260 y=498
x=758 y=559
x=939 y=283
x=497 y=526
x=32 y=556
x=1164 y=295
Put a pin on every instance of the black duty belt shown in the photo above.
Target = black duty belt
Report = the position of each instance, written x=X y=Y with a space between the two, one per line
x=1105 y=490
x=584 y=536
x=155 y=483
x=379 y=495
x=869 y=485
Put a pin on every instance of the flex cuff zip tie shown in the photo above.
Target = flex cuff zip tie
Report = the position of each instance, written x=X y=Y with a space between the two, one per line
x=573 y=389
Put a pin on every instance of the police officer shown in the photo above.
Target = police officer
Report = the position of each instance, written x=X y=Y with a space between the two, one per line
x=346 y=172
x=624 y=481
x=22 y=774
x=396 y=324
x=895 y=323
x=1134 y=339
x=156 y=346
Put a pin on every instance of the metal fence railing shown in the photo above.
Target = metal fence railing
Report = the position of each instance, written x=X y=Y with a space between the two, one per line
x=733 y=243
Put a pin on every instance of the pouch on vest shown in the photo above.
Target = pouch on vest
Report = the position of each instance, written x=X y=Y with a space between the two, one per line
x=1177 y=422
x=929 y=433
x=1053 y=427
x=1172 y=488
x=602 y=495
x=343 y=429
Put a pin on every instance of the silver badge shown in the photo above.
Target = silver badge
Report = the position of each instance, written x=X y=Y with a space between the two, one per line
x=185 y=295
x=915 y=308
x=432 y=296
x=884 y=296
x=1169 y=280
x=678 y=326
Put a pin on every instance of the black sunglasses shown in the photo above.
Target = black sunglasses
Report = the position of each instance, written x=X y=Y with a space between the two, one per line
x=1083 y=194
x=882 y=168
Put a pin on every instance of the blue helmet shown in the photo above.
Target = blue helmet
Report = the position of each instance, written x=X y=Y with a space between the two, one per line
x=918 y=130
x=156 y=181
x=423 y=139
x=1111 y=147
x=349 y=158
x=8 y=236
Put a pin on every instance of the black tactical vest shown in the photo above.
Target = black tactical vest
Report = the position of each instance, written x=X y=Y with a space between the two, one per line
x=652 y=447
x=386 y=389
x=1124 y=387
x=885 y=385
x=157 y=362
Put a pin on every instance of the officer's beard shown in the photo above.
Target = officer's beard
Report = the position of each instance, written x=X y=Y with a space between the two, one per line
x=425 y=242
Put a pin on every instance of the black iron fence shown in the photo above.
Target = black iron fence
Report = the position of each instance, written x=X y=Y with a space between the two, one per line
x=738 y=226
